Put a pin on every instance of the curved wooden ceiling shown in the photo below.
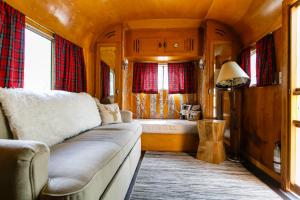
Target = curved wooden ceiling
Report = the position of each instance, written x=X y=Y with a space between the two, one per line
x=81 y=21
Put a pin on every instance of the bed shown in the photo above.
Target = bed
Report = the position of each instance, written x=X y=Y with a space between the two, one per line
x=169 y=135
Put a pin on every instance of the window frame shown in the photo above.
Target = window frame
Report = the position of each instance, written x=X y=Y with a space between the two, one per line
x=50 y=37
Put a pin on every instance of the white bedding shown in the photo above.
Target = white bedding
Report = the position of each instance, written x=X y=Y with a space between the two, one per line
x=169 y=126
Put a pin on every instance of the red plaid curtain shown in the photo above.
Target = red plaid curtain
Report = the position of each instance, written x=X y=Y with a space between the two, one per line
x=182 y=78
x=145 y=78
x=105 y=69
x=12 y=44
x=245 y=61
x=265 y=61
x=70 y=72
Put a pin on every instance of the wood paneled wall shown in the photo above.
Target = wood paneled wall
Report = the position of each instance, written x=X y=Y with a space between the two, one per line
x=261 y=118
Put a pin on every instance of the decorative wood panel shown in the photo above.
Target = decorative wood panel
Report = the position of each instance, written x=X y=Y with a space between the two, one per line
x=170 y=142
x=161 y=42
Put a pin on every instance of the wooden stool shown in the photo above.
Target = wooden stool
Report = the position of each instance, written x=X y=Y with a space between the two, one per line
x=211 y=148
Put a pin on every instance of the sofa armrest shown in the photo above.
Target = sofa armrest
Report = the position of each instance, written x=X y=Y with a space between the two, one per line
x=23 y=169
x=126 y=116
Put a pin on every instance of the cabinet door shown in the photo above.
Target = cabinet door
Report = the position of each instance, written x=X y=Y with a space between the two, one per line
x=181 y=46
x=175 y=45
x=148 y=46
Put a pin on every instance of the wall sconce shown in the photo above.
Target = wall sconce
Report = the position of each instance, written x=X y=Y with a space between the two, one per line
x=201 y=63
x=125 y=64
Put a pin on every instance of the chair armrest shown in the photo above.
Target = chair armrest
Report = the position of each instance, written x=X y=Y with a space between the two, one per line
x=126 y=116
x=23 y=169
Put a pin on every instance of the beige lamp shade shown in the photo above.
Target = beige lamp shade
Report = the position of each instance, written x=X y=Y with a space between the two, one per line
x=231 y=75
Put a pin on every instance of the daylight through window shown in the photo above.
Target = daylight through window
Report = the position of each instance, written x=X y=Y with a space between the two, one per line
x=38 y=54
x=163 y=77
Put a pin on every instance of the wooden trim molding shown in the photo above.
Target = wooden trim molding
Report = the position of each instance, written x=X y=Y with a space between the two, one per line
x=286 y=97
x=39 y=27
x=260 y=166
x=295 y=188
x=285 y=139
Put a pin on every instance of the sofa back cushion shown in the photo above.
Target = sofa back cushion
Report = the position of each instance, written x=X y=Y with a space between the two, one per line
x=5 y=132
x=48 y=117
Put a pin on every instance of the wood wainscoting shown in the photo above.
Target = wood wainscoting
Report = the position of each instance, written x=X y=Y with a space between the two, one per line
x=261 y=118
x=170 y=142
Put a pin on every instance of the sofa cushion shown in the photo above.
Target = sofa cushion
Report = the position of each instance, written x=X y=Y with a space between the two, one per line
x=133 y=126
x=84 y=165
x=48 y=117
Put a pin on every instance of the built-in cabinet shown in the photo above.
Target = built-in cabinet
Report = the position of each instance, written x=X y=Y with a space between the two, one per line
x=221 y=44
x=109 y=49
x=157 y=42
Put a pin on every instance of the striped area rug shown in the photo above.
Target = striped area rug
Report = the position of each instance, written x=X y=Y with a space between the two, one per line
x=177 y=176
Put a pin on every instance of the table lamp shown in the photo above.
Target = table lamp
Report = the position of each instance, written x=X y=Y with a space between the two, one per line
x=232 y=77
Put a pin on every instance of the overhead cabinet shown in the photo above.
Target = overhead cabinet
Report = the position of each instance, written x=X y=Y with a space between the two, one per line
x=175 y=42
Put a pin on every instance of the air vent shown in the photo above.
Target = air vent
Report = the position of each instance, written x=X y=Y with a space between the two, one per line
x=136 y=46
x=220 y=32
x=190 y=44
x=110 y=34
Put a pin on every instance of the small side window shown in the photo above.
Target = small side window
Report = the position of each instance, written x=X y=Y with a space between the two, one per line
x=163 y=77
x=253 y=68
x=38 y=61
x=112 y=82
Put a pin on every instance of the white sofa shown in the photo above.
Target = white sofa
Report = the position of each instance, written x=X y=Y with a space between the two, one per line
x=96 y=164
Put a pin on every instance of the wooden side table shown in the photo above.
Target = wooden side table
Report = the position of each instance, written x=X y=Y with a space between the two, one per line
x=211 y=148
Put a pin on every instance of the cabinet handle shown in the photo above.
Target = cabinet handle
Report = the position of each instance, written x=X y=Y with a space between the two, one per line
x=165 y=45
x=159 y=45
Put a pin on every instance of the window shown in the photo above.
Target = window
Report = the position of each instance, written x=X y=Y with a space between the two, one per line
x=253 y=67
x=163 y=77
x=111 y=82
x=38 y=56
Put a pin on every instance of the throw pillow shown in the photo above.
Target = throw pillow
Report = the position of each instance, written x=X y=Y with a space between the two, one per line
x=110 y=113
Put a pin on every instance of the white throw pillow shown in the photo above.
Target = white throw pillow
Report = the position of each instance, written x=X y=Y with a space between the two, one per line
x=48 y=117
x=110 y=113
